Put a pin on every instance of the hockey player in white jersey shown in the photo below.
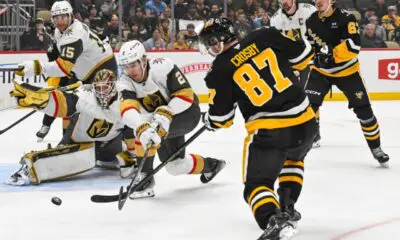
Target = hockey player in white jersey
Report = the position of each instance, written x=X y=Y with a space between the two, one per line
x=95 y=134
x=159 y=103
x=82 y=52
x=291 y=20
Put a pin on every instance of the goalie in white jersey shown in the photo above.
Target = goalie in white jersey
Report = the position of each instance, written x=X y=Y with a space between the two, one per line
x=159 y=103
x=82 y=52
x=95 y=134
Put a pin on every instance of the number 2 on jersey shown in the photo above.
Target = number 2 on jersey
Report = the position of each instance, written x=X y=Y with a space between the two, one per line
x=250 y=81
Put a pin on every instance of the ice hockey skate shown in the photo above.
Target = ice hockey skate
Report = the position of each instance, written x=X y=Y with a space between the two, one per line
x=42 y=133
x=207 y=177
x=381 y=156
x=279 y=227
x=21 y=177
x=146 y=191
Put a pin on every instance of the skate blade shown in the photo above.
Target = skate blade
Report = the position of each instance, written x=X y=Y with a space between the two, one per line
x=140 y=195
x=316 y=144
x=39 y=140
x=287 y=233
x=384 y=164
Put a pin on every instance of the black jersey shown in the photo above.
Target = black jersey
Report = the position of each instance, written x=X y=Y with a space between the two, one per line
x=257 y=75
x=340 y=31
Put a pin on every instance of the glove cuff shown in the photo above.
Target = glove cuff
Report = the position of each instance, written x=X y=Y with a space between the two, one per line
x=165 y=111
x=141 y=128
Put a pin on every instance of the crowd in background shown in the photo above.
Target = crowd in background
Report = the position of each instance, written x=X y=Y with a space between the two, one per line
x=149 y=21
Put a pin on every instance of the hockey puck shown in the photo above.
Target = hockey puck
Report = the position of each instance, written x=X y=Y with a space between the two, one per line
x=56 y=200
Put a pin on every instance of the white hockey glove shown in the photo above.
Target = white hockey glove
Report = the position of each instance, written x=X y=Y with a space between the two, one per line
x=205 y=118
x=29 y=69
x=162 y=120
x=148 y=136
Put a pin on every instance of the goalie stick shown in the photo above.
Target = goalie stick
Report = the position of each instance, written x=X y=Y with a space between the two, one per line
x=124 y=194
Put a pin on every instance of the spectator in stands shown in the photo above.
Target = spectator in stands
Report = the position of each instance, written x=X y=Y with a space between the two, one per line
x=129 y=9
x=261 y=21
x=154 y=8
x=96 y=22
x=180 y=9
x=150 y=43
x=108 y=8
x=369 y=12
x=232 y=15
x=380 y=8
x=379 y=30
x=135 y=34
x=250 y=8
x=191 y=37
x=180 y=43
x=242 y=26
x=391 y=20
x=166 y=13
x=35 y=38
x=202 y=10
x=268 y=6
x=192 y=13
x=369 y=40
x=215 y=11
x=159 y=44
x=165 y=30
x=112 y=27
x=145 y=28
x=84 y=8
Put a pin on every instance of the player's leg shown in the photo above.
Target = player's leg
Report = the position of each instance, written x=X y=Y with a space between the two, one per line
x=127 y=159
x=263 y=159
x=354 y=88
x=181 y=125
x=316 y=87
x=291 y=176
x=106 y=153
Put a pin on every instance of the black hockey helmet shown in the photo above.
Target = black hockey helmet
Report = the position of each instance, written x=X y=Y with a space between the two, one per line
x=217 y=30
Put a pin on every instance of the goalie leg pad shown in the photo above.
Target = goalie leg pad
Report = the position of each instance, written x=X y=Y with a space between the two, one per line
x=60 y=162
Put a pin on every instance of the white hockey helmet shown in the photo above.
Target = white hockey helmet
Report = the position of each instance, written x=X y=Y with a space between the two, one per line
x=60 y=8
x=131 y=51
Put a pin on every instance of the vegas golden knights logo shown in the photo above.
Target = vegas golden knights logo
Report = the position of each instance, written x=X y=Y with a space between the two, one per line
x=153 y=101
x=99 y=128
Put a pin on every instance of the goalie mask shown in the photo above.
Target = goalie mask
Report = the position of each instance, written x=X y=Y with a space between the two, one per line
x=215 y=33
x=104 y=87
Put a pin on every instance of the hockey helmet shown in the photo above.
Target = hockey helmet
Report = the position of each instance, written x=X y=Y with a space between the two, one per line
x=60 y=8
x=104 y=87
x=131 y=51
x=217 y=30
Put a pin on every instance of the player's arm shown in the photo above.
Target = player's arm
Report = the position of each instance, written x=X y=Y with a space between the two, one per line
x=299 y=52
x=221 y=102
x=181 y=93
x=61 y=104
x=350 y=47
x=130 y=109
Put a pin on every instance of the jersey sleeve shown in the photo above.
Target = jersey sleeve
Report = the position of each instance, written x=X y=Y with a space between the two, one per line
x=181 y=93
x=350 y=47
x=299 y=52
x=220 y=99
x=61 y=104
x=130 y=109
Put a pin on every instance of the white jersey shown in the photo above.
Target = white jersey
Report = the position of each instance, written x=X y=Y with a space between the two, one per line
x=94 y=123
x=81 y=52
x=165 y=85
x=293 y=26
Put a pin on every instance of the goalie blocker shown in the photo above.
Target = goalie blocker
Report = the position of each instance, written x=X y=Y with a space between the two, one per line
x=54 y=163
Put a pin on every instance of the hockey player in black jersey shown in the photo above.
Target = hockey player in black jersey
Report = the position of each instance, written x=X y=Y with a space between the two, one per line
x=335 y=36
x=256 y=74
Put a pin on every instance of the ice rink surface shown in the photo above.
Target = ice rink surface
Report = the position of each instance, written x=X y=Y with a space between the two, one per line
x=345 y=195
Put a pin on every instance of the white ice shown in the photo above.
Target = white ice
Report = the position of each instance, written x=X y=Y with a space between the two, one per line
x=345 y=195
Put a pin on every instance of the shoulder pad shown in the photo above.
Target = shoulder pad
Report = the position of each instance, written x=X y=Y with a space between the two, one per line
x=123 y=83
x=73 y=33
x=161 y=66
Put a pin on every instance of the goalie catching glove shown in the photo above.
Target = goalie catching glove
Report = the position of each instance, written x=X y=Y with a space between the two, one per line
x=30 y=96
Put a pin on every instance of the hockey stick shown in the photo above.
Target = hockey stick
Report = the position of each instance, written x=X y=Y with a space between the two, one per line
x=124 y=195
x=66 y=88
x=121 y=200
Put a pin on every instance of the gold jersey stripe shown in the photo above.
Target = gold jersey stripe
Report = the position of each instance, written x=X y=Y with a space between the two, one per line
x=373 y=137
x=274 y=123
x=127 y=104
x=341 y=53
x=198 y=164
x=53 y=82
x=294 y=163
x=61 y=104
x=303 y=64
x=65 y=66
x=97 y=66
x=186 y=93
x=291 y=179
x=375 y=126
x=345 y=72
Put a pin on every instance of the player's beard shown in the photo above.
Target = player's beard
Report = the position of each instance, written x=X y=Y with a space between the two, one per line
x=286 y=7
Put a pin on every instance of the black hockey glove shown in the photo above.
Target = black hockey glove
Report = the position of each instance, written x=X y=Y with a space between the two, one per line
x=324 y=57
